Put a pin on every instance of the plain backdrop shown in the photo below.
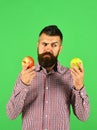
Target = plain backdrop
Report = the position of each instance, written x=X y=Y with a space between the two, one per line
x=20 y=24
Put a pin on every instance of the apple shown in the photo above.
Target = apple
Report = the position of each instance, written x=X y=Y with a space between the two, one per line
x=75 y=61
x=28 y=59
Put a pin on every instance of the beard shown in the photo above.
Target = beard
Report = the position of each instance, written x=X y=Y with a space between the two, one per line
x=47 y=59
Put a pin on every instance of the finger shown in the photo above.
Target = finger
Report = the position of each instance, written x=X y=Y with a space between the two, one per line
x=31 y=69
x=81 y=68
x=33 y=74
x=75 y=68
x=25 y=66
x=73 y=73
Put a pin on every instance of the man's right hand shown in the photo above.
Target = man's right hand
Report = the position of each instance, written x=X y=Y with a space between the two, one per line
x=27 y=74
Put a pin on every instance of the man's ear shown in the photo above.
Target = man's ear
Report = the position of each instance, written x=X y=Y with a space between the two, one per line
x=60 y=48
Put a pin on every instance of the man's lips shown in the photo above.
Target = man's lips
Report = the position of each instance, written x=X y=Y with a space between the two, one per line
x=46 y=55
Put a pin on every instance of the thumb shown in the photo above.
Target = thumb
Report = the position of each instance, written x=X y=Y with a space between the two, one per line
x=25 y=66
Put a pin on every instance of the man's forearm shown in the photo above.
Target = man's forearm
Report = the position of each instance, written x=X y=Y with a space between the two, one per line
x=80 y=104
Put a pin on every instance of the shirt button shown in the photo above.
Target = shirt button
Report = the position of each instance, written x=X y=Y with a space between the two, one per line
x=46 y=102
x=82 y=94
x=46 y=87
x=25 y=90
x=46 y=116
x=84 y=103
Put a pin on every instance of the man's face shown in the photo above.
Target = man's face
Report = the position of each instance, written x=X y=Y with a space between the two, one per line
x=48 y=50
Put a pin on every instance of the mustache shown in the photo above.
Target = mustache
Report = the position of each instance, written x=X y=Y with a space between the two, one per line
x=46 y=53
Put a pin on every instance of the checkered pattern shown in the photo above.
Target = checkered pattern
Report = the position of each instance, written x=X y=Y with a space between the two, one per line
x=45 y=104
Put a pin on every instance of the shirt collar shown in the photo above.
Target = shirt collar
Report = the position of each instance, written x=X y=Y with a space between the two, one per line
x=58 y=68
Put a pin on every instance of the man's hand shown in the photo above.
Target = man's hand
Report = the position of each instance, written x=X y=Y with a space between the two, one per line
x=27 y=74
x=78 y=76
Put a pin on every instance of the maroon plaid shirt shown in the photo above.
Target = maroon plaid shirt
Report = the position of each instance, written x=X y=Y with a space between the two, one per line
x=45 y=104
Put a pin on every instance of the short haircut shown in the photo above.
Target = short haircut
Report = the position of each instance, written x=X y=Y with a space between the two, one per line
x=52 y=30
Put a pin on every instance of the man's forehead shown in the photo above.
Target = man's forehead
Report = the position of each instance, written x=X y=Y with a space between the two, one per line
x=49 y=39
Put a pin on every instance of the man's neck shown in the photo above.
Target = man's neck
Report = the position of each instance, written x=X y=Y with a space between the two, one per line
x=50 y=68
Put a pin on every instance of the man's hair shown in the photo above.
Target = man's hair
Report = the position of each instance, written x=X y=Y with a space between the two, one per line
x=52 y=30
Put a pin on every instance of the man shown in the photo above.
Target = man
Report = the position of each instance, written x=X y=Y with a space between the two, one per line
x=44 y=93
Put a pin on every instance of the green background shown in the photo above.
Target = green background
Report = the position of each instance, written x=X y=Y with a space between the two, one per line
x=20 y=24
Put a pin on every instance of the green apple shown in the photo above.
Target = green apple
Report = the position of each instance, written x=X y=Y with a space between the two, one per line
x=75 y=61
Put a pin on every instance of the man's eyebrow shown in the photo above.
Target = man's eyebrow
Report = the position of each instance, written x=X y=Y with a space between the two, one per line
x=54 y=42
x=51 y=43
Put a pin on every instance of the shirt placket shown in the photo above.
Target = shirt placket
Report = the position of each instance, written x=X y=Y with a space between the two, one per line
x=46 y=103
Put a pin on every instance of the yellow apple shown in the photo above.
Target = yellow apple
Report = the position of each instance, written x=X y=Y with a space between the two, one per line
x=75 y=61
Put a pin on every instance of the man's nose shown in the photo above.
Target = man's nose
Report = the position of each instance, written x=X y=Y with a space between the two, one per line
x=48 y=48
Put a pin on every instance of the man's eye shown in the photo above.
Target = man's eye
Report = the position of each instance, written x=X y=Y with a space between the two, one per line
x=54 y=45
x=44 y=44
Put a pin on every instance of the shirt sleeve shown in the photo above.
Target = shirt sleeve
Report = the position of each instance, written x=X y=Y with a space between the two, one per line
x=80 y=103
x=16 y=101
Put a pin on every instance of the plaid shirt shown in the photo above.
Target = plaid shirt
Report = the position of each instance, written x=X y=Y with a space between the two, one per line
x=45 y=104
